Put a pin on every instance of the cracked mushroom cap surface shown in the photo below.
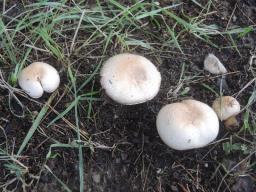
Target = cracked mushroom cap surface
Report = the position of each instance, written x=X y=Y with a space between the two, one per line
x=130 y=79
x=226 y=107
x=37 y=78
x=187 y=125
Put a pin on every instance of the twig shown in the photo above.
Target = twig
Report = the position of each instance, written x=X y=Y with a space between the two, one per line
x=247 y=85
x=3 y=6
x=231 y=16
x=11 y=90
x=78 y=26
x=4 y=12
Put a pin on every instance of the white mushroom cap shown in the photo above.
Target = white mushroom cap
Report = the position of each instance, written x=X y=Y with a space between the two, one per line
x=37 y=78
x=187 y=125
x=130 y=79
x=213 y=65
x=226 y=107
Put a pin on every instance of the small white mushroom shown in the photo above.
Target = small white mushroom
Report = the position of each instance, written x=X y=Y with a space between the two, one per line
x=187 y=125
x=213 y=65
x=37 y=78
x=130 y=79
x=226 y=107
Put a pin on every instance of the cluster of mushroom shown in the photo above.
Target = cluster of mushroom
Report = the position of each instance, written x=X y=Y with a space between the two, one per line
x=132 y=79
x=226 y=107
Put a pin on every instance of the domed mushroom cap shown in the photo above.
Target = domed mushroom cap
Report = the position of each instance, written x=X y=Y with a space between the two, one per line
x=226 y=107
x=130 y=79
x=37 y=78
x=187 y=125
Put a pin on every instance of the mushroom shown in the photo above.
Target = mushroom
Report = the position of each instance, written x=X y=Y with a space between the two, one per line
x=130 y=79
x=227 y=107
x=213 y=65
x=37 y=78
x=187 y=124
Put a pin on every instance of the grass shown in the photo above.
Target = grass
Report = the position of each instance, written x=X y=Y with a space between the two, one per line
x=77 y=39
x=35 y=124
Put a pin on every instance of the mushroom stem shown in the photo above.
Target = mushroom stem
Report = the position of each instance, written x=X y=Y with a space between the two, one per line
x=231 y=123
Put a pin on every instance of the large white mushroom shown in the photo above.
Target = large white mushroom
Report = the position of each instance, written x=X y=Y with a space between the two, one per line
x=37 y=78
x=130 y=79
x=187 y=125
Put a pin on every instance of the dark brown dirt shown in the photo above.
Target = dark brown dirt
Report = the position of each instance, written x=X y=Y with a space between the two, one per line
x=138 y=160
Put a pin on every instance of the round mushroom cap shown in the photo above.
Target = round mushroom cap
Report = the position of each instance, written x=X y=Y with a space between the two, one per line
x=226 y=107
x=187 y=125
x=130 y=79
x=37 y=78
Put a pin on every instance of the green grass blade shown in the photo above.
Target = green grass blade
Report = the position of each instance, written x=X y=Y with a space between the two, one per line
x=58 y=145
x=61 y=182
x=80 y=148
x=210 y=89
x=154 y=12
x=62 y=114
x=90 y=77
x=36 y=124
x=137 y=42
x=50 y=43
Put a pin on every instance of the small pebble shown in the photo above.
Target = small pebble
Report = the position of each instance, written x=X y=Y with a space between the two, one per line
x=159 y=170
x=96 y=177
x=174 y=188
x=118 y=160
